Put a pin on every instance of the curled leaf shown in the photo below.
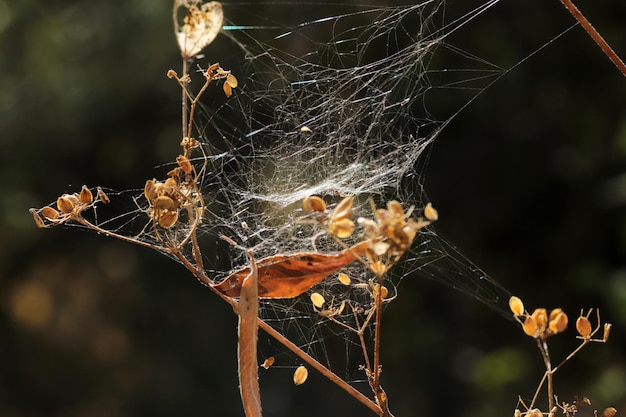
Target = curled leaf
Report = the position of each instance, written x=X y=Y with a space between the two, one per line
x=288 y=276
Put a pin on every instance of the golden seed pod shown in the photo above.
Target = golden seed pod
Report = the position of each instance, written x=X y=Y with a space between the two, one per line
x=342 y=228
x=530 y=326
x=227 y=89
x=268 y=362
x=583 y=326
x=378 y=268
x=85 y=196
x=168 y=218
x=305 y=129
x=102 y=196
x=49 y=213
x=65 y=203
x=165 y=203
x=559 y=322
x=314 y=203
x=38 y=220
x=395 y=207
x=541 y=318
x=343 y=209
x=516 y=305
x=535 y=412
x=150 y=190
x=170 y=184
x=607 y=331
x=300 y=375
x=232 y=80
x=184 y=163
x=430 y=213
x=344 y=278
x=609 y=412
x=317 y=299
x=383 y=293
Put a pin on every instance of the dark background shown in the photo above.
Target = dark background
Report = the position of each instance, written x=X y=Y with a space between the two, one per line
x=529 y=181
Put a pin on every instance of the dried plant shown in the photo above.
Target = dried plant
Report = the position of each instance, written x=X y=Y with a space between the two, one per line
x=175 y=207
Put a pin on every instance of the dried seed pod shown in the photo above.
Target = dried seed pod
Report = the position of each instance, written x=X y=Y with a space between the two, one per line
x=227 y=89
x=395 y=207
x=516 y=305
x=378 y=268
x=383 y=293
x=314 y=203
x=317 y=299
x=232 y=80
x=583 y=326
x=300 y=375
x=342 y=228
x=172 y=74
x=85 y=196
x=170 y=185
x=430 y=213
x=150 y=190
x=49 y=213
x=65 y=203
x=305 y=129
x=609 y=412
x=268 y=362
x=535 y=412
x=165 y=203
x=343 y=278
x=168 y=218
x=558 y=322
x=343 y=209
x=38 y=220
x=530 y=326
x=102 y=196
x=541 y=318
x=184 y=163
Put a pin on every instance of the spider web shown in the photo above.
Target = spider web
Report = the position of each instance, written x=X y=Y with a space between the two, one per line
x=340 y=103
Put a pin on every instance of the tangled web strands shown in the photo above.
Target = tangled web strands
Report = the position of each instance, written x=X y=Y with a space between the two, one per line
x=339 y=120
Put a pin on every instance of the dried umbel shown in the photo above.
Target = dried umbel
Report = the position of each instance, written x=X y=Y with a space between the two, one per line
x=539 y=324
x=68 y=207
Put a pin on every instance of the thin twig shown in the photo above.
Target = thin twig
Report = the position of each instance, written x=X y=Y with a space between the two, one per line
x=608 y=51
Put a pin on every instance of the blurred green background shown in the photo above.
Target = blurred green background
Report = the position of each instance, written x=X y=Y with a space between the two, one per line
x=530 y=183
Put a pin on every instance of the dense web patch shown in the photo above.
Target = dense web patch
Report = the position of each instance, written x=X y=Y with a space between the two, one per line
x=335 y=105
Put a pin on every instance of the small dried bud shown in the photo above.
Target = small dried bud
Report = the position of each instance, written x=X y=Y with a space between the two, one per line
x=85 y=196
x=300 y=375
x=396 y=208
x=38 y=220
x=317 y=299
x=583 y=326
x=49 y=213
x=430 y=213
x=535 y=412
x=172 y=74
x=184 y=163
x=516 y=305
x=65 y=203
x=314 y=203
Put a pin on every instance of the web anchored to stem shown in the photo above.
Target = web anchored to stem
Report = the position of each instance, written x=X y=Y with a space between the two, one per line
x=305 y=173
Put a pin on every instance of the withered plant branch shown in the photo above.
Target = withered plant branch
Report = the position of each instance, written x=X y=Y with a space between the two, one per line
x=593 y=33
x=248 y=311
x=379 y=393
